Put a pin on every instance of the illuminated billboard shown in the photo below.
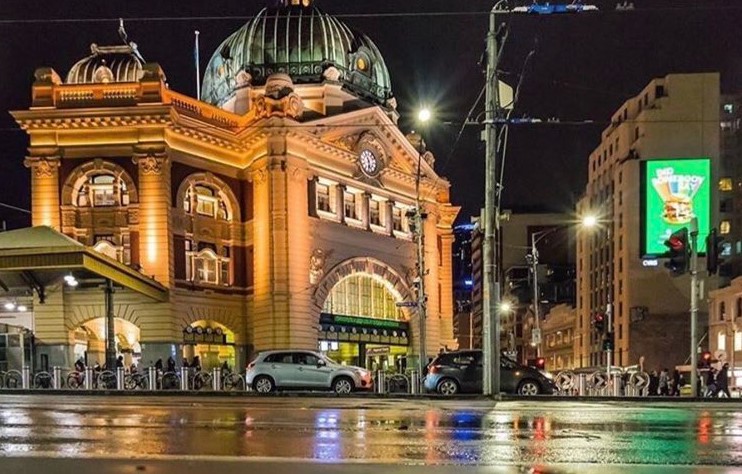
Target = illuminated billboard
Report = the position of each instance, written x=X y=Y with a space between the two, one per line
x=673 y=192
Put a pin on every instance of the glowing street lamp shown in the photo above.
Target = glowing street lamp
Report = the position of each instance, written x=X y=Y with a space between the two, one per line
x=424 y=115
x=589 y=221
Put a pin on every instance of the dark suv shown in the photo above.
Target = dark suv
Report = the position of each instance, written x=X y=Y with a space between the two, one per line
x=461 y=372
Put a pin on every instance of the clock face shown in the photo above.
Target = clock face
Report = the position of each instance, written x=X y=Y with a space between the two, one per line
x=369 y=162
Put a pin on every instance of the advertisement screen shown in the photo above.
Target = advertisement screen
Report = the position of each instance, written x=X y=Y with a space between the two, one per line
x=675 y=191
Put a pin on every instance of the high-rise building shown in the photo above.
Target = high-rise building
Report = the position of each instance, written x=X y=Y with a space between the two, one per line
x=463 y=283
x=674 y=117
x=274 y=211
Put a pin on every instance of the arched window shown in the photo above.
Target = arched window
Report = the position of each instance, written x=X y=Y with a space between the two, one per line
x=364 y=295
x=102 y=190
x=205 y=265
x=206 y=201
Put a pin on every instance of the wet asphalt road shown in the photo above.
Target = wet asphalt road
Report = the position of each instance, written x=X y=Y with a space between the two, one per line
x=299 y=435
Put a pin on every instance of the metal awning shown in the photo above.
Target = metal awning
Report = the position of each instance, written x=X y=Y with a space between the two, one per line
x=36 y=257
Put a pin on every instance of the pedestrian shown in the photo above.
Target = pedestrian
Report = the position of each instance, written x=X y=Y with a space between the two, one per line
x=722 y=381
x=170 y=364
x=158 y=365
x=676 y=383
x=196 y=364
x=711 y=387
x=664 y=383
x=80 y=365
x=120 y=362
x=654 y=383
x=225 y=368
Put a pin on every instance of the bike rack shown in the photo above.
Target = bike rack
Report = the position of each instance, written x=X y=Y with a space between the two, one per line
x=565 y=381
x=398 y=383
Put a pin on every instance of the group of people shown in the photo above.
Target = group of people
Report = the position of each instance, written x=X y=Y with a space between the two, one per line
x=717 y=382
x=662 y=384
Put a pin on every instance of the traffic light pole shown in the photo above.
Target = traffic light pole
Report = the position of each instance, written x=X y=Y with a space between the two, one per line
x=694 y=307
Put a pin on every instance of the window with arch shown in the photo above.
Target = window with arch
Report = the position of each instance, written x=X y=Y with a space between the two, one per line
x=102 y=189
x=207 y=264
x=364 y=295
x=206 y=200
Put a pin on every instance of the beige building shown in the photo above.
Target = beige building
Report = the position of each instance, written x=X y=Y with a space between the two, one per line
x=558 y=332
x=725 y=327
x=275 y=211
x=673 y=117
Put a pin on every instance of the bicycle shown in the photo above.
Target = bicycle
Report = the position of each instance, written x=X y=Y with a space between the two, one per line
x=107 y=380
x=233 y=382
x=135 y=381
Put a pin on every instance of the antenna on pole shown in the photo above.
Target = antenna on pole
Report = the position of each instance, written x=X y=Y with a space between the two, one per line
x=197 y=60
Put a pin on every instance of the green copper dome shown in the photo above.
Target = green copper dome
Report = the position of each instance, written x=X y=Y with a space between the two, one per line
x=300 y=41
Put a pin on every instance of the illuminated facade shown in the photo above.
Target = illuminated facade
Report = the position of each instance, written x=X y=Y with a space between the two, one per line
x=275 y=210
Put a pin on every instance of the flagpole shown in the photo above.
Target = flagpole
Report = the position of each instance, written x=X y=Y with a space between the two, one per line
x=198 y=67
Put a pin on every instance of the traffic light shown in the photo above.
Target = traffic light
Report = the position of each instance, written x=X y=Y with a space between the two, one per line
x=608 y=342
x=714 y=251
x=599 y=322
x=704 y=362
x=539 y=363
x=679 y=252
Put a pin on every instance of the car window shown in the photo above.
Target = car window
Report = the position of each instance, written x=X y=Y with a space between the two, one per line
x=506 y=363
x=279 y=358
x=305 y=359
x=464 y=359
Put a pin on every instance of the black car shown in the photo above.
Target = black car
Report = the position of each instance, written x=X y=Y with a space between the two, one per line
x=461 y=372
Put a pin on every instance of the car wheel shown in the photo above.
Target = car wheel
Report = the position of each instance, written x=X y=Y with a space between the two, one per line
x=263 y=384
x=529 y=387
x=447 y=387
x=342 y=385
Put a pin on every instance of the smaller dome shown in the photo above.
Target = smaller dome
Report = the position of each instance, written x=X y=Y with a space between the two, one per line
x=107 y=64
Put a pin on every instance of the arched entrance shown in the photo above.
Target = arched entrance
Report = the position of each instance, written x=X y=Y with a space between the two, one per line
x=90 y=342
x=212 y=342
x=361 y=320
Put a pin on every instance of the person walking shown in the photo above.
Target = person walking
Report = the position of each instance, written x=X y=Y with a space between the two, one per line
x=722 y=381
x=170 y=364
x=158 y=365
x=676 y=383
x=120 y=362
x=711 y=387
x=664 y=383
x=654 y=383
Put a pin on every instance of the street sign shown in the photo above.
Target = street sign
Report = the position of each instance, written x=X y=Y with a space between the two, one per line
x=406 y=304
x=536 y=336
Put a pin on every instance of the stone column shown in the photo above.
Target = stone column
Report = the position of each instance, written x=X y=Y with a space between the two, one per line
x=340 y=200
x=45 y=197
x=53 y=339
x=365 y=218
x=154 y=216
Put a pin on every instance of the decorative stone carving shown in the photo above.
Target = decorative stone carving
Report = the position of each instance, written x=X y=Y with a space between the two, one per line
x=317 y=262
x=150 y=165
x=279 y=100
x=260 y=176
x=42 y=167
x=332 y=74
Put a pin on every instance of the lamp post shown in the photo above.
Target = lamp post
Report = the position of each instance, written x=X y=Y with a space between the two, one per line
x=588 y=222
x=423 y=116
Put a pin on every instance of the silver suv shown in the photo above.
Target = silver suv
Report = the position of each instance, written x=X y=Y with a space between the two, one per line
x=288 y=369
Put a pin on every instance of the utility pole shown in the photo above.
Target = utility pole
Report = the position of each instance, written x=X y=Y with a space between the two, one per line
x=491 y=296
x=536 y=336
x=694 y=306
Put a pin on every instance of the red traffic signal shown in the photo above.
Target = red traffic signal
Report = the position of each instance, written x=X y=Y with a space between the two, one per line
x=705 y=360
x=679 y=252
x=599 y=322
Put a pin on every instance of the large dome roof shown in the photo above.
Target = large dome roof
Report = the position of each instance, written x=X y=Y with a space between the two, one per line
x=300 y=41
x=107 y=64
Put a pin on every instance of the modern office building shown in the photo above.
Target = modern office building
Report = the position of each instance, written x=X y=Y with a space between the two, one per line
x=272 y=213
x=641 y=195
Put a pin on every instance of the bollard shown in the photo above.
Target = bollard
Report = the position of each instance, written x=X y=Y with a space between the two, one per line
x=152 y=378
x=26 y=377
x=414 y=383
x=89 y=378
x=184 y=378
x=57 y=378
x=581 y=385
x=380 y=382
x=216 y=379
x=119 y=378
x=616 y=385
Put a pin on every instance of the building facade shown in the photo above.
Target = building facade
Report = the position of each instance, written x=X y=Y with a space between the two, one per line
x=276 y=210
x=673 y=117
x=558 y=333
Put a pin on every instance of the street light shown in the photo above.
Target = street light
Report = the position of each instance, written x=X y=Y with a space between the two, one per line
x=423 y=116
x=589 y=221
x=505 y=307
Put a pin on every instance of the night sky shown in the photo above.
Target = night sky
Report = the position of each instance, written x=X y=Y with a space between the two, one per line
x=584 y=67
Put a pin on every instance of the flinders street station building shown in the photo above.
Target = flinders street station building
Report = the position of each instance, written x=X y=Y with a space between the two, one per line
x=273 y=212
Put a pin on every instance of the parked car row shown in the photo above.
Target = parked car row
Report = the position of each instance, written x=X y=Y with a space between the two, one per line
x=449 y=373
